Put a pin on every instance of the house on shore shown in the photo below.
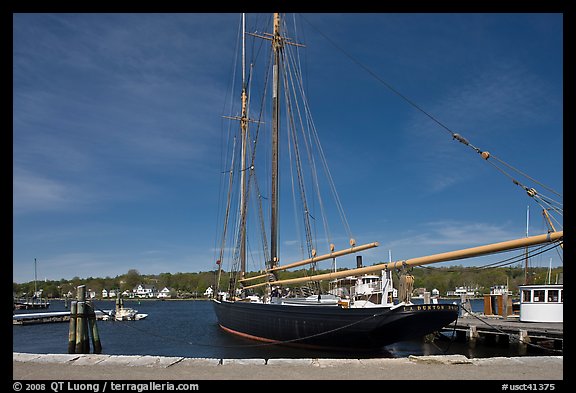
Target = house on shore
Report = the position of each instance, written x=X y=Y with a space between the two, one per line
x=166 y=293
x=145 y=291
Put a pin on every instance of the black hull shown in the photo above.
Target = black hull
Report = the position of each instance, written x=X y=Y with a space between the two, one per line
x=332 y=327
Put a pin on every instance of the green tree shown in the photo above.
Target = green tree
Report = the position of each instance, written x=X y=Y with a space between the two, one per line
x=132 y=279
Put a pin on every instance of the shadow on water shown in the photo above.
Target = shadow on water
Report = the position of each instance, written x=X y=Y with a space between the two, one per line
x=190 y=329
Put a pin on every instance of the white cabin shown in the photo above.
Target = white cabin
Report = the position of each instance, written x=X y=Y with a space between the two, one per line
x=542 y=303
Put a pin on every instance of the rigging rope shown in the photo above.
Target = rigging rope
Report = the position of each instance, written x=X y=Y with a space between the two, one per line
x=486 y=155
x=509 y=261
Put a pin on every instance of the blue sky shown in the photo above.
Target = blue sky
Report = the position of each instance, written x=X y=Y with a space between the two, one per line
x=117 y=121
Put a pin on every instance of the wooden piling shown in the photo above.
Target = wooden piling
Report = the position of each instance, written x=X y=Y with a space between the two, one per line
x=72 y=329
x=80 y=328
x=472 y=336
x=83 y=325
x=488 y=305
x=82 y=342
x=96 y=344
x=426 y=297
x=465 y=305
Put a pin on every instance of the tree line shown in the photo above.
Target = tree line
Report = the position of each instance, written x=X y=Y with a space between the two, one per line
x=195 y=284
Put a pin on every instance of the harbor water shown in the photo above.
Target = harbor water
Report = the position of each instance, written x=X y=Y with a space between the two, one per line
x=189 y=328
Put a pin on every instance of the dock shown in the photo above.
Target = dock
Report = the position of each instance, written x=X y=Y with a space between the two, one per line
x=30 y=303
x=51 y=317
x=510 y=330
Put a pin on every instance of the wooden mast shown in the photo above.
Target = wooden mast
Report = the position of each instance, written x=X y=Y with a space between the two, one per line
x=447 y=256
x=276 y=48
x=526 y=253
x=243 y=177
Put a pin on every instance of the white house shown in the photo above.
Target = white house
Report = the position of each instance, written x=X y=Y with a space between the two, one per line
x=209 y=292
x=145 y=290
x=165 y=293
x=108 y=293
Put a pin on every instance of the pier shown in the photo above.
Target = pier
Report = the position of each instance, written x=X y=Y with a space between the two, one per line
x=51 y=317
x=505 y=331
x=29 y=303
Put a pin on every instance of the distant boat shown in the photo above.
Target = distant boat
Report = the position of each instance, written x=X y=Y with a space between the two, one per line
x=127 y=314
x=35 y=301
x=500 y=290
x=121 y=313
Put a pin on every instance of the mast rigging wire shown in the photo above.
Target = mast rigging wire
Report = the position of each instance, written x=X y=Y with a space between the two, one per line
x=454 y=135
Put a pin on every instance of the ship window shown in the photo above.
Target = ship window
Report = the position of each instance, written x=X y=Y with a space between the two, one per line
x=539 y=295
x=553 y=296
x=526 y=296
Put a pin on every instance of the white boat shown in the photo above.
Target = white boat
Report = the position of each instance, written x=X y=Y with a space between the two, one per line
x=122 y=313
x=500 y=290
x=542 y=303
x=128 y=314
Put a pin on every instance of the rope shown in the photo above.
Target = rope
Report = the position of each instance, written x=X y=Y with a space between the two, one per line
x=406 y=284
x=509 y=261
x=531 y=192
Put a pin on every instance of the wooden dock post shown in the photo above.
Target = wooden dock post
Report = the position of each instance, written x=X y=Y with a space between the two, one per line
x=488 y=305
x=523 y=341
x=465 y=306
x=96 y=344
x=80 y=319
x=472 y=336
x=72 y=329
x=426 y=297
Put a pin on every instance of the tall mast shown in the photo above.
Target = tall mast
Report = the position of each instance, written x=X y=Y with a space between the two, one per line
x=244 y=128
x=35 y=286
x=277 y=45
x=526 y=257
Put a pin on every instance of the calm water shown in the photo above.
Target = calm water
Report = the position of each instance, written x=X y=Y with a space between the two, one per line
x=189 y=329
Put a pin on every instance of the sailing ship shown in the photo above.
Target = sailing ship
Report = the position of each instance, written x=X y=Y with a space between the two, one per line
x=297 y=311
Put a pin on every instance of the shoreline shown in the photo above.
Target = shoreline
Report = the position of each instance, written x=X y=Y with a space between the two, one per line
x=29 y=366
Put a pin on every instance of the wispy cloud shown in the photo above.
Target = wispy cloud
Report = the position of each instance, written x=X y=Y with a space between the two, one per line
x=488 y=109
x=32 y=192
x=105 y=103
x=443 y=236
